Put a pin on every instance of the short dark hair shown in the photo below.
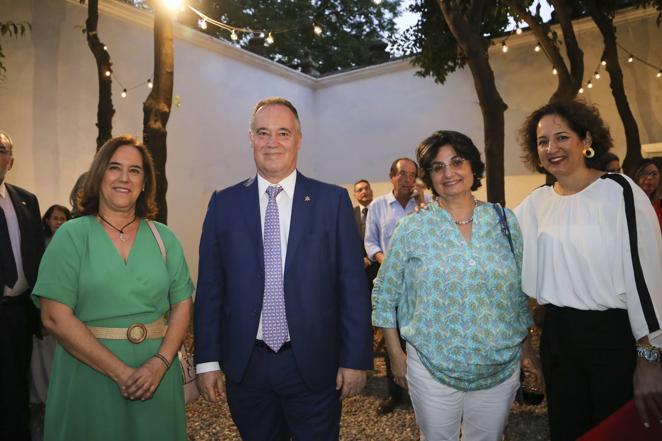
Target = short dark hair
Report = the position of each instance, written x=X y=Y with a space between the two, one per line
x=49 y=213
x=428 y=149
x=606 y=159
x=580 y=117
x=394 y=166
x=360 y=181
x=276 y=101
x=88 y=196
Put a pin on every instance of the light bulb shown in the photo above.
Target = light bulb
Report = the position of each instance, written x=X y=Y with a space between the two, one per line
x=124 y=93
x=659 y=74
x=518 y=31
x=537 y=48
x=173 y=5
x=269 y=39
x=504 y=47
x=149 y=83
x=317 y=29
x=597 y=75
x=603 y=62
x=234 y=36
x=377 y=2
x=202 y=23
x=105 y=48
x=107 y=73
x=554 y=71
x=589 y=85
x=630 y=59
x=581 y=90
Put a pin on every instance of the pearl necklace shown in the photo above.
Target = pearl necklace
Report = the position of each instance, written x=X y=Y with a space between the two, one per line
x=123 y=236
x=462 y=221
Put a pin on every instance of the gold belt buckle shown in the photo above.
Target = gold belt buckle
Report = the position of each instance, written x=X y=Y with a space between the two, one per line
x=136 y=333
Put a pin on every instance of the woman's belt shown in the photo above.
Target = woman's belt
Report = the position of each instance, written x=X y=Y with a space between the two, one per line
x=136 y=333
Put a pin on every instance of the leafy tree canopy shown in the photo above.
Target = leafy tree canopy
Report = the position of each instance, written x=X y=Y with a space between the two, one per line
x=353 y=32
x=10 y=29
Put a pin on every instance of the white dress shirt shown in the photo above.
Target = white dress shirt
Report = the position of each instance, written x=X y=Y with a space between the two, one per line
x=284 y=201
x=383 y=214
x=21 y=284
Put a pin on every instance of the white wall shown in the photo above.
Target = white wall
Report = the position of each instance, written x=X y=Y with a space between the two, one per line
x=354 y=123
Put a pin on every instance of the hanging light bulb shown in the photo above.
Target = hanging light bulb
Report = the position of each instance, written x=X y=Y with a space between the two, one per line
x=317 y=29
x=603 y=62
x=537 y=48
x=597 y=75
x=234 y=36
x=173 y=5
x=554 y=71
x=202 y=23
x=105 y=48
x=504 y=47
x=107 y=73
x=269 y=40
x=518 y=31
x=630 y=59
x=377 y=2
x=149 y=83
x=261 y=35
x=589 y=85
x=581 y=90
x=124 y=93
x=659 y=74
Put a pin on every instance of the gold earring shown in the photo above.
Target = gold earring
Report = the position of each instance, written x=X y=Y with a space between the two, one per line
x=588 y=152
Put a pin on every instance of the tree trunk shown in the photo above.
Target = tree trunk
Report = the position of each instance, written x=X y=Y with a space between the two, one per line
x=156 y=109
x=569 y=79
x=467 y=30
x=105 y=110
x=633 y=143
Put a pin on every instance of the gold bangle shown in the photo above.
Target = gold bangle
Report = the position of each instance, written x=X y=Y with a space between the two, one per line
x=163 y=359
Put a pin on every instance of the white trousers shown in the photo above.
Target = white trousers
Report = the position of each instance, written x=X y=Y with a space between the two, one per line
x=441 y=410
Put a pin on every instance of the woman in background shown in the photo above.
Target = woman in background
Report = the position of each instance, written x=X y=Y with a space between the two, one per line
x=647 y=177
x=54 y=217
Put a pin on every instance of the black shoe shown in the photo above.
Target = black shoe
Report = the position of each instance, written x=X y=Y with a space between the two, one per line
x=388 y=405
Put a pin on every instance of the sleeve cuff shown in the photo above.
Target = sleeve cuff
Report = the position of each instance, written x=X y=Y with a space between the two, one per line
x=210 y=366
x=655 y=338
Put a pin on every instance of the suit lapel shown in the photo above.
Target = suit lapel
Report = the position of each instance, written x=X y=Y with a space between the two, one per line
x=22 y=217
x=302 y=204
x=250 y=206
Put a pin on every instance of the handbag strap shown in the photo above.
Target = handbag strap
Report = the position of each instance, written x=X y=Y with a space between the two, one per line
x=159 y=241
x=640 y=282
x=505 y=229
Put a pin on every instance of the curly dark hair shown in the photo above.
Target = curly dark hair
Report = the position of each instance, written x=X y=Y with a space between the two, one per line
x=88 y=195
x=428 y=149
x=580 y=117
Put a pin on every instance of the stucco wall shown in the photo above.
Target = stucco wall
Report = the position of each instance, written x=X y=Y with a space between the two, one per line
x=354 y=123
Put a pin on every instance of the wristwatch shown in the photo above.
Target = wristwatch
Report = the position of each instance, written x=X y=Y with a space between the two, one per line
x=649 y=353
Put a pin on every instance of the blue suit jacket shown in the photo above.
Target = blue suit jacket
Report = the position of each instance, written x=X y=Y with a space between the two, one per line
x=326 y=291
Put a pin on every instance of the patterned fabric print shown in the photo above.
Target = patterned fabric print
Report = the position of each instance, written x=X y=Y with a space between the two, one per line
x=459 y=305
x=274 y=319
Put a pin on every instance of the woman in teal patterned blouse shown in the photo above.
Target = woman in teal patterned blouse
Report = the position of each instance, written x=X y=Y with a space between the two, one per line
x=451 y=282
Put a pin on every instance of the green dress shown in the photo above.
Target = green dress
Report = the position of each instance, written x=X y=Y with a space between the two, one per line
x=83 y=270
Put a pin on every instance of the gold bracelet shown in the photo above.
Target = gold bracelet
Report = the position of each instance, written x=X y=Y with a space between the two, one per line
x=163 y=359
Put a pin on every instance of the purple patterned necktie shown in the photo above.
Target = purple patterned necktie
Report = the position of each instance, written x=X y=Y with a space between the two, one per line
x=274 y=320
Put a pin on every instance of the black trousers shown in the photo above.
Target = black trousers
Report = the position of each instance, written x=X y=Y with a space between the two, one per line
x=588 y=360
x=16 y=325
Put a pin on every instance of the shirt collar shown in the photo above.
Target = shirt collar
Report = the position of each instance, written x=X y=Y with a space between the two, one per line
x=390 y=198
x=288 y=184
x=3 y=190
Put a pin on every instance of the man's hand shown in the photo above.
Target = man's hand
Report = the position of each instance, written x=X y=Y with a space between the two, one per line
x=211 y=386
x=379 y=257
x=351 y=381
x=366 y=262
x=648 y=391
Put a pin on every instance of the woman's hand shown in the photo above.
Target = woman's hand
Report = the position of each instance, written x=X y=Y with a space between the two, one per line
x=648 y=391
x=399 y=367
x=531 y=366
x=143 y=381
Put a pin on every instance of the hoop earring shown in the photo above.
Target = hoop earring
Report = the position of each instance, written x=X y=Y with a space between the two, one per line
x=588 y=152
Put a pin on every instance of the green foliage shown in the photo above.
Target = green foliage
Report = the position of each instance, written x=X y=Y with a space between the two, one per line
x=353 y=31
x=431 y=44
x=10 y=29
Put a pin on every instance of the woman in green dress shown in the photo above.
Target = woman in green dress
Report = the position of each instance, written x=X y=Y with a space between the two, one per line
x=104 y=288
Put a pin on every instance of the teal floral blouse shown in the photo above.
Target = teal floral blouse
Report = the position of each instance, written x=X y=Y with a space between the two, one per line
x=460 y=305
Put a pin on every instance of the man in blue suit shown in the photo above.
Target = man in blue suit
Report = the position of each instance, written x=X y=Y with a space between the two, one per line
x=282 y=312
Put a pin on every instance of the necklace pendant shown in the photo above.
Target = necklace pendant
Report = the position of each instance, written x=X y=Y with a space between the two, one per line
x=123 y=237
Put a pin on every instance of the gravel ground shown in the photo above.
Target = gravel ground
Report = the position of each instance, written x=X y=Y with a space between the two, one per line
x=360 y=420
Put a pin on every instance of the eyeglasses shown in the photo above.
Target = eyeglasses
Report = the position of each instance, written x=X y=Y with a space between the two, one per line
x=650 y=174
x=440 y=167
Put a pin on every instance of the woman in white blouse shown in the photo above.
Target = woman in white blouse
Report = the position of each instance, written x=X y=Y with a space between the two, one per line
x=593 y=257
